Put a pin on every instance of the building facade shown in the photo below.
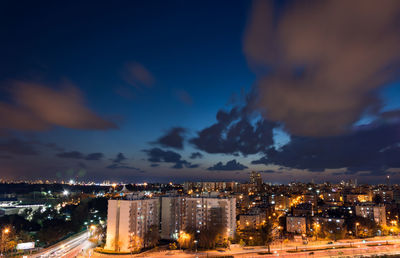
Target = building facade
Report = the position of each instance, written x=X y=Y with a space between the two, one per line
x=196 y=213
x=374 y=212
x=127 y=219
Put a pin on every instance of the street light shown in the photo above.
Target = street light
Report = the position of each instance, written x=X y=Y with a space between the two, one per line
x=317 y=226
x=357 y=224
x=195 y=243
x=3 y=233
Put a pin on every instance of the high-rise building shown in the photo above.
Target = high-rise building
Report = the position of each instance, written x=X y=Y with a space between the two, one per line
x=256 y=179
x=196 y=213
x=172 y=216
x=127 y=219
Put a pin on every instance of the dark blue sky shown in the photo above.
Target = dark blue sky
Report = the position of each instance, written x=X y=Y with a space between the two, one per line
x=137 y=69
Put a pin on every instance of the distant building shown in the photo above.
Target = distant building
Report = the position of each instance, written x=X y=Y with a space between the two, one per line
x=255 y=178
x=303 y=209
x=250 y=221
x=310 y=198
x=296 y=224
x=384 y=195
x=357 y=198
x=324 y=220
x=210 y=186
x=281 y=202
x=331 y=197
x=128 y=218
x=372 y=211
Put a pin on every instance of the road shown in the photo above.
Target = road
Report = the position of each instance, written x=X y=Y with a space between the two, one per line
x=355 y=248
x=68 y=248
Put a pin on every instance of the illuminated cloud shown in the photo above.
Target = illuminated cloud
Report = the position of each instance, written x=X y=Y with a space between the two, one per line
x=369 y=148
x=319 y=65
x=38 y=108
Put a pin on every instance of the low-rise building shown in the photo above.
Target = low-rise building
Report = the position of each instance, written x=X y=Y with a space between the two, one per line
x=296 y=225
x=372 y=211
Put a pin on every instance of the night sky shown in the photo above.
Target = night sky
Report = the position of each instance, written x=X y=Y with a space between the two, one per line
x=161 y=91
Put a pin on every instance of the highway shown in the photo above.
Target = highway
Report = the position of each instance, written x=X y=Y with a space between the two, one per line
x=68 y=248
x=353 y=249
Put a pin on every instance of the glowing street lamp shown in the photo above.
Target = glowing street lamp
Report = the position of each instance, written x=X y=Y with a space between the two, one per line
x=4 y=232
x=357 y=224
x=316 y=226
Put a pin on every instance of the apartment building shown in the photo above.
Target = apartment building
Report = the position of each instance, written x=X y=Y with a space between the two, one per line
x=181 y=213
x=129 y=218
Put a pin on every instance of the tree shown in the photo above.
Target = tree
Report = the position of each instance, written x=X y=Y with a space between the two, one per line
x=363 y=227
x=172 y=246
x=333 y=231
x=151 y=237
x=185 y=240
x=135 y=244
x=266 y=234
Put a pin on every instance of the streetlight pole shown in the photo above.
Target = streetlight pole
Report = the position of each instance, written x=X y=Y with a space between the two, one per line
x=4 y=232
x=316 y=230
x=357 y=224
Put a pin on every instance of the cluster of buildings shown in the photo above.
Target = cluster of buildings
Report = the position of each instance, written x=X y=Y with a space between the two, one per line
x=297 y=208
x=134 y=215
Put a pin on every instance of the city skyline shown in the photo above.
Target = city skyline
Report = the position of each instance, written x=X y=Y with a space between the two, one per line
x=160 y=91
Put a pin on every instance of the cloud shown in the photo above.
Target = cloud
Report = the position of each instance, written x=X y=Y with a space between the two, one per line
x=39 y=108
x=154 y=165
x=17 y=147
x=119 y=158
x=230 y=165
x=319 y=66
x=196 y=155
x=95 y=156
x=268 y=171
x=184 y=97
x=79 y=155
x=71 y=155
x=137 y=75
x=375 y=147
x=117 y=163
x=157 y=155
x=120 y=166
x=81 y=165
x=233 y=133
x=173 y=139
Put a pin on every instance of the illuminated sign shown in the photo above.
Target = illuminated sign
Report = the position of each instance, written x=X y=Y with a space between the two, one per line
x=28 y=245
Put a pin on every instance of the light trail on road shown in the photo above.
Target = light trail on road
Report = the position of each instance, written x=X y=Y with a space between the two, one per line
x=65 y=247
